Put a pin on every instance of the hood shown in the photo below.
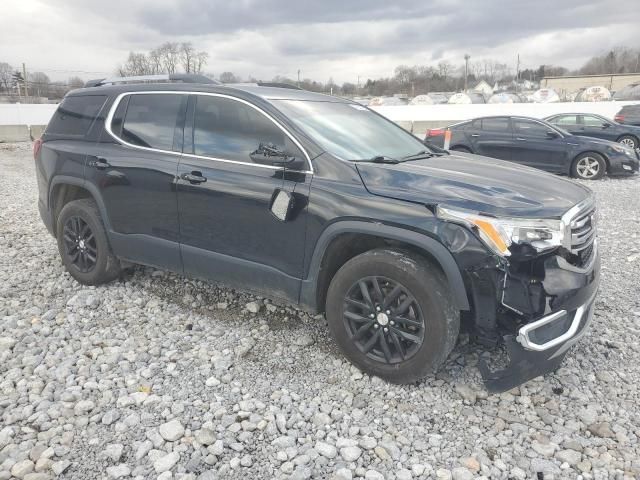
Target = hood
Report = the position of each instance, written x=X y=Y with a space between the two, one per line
x=473 y=182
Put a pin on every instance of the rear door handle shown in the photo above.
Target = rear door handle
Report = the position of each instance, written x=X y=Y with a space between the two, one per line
x=475 y=134
x=521 y=139
x=194 y=177
x=99 y=163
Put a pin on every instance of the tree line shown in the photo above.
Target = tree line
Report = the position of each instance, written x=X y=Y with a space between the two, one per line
x=174 y=57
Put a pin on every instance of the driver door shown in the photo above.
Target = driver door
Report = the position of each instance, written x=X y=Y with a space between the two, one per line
x=227 y=230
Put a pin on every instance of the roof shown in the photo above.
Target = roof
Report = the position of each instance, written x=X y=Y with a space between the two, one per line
x=244 y=91
x=601 y=75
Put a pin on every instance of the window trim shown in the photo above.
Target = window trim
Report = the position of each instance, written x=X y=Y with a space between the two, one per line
x=119 y=98
x=546 y=125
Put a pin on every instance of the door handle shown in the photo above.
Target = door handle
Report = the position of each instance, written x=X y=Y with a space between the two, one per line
x=475 y=134
x=99 y=163
x=521 y=139
x=194 y=177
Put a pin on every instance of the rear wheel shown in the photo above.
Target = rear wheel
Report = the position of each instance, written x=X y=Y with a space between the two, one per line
x=392 y=314
x=628 y=141
x=589 y=166
x=83 y=244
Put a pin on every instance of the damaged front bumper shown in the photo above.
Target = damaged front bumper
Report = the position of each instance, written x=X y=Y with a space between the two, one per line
x=566 y=295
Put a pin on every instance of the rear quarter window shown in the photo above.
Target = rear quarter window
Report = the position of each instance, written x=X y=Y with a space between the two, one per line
x=75 y=115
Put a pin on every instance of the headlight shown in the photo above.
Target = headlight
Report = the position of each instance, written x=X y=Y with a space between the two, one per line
x=499 y=233
x=622 y=149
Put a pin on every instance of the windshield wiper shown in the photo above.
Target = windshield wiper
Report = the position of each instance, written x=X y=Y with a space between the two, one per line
x=420 y=155
x=381 y=159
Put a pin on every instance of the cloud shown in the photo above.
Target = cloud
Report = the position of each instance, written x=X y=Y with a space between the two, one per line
x=339 y=39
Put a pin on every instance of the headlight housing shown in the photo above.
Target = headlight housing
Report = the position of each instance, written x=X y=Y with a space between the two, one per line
x=499 y=233
x=622 y=149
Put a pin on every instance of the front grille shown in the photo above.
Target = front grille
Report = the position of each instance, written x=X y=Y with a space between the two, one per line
x=581 y=233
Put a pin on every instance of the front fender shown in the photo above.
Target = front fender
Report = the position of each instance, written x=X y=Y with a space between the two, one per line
x=308 y=291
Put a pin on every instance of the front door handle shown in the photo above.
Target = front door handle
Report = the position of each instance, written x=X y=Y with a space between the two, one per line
x=99 y=163
x=521 y=139
x=475 y=134
x=194 y=177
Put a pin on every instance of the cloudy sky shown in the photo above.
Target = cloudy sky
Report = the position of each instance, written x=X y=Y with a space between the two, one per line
x=342 y=39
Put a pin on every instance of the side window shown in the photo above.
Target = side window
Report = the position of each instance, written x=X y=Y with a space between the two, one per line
x=495 y=125
x=150 y=120
x=565 y=120
x=75 y=115
x=591 y=121
x=527 y=127
x=230 y=130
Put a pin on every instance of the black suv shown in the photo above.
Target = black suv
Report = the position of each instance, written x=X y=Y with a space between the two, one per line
x=322 y=202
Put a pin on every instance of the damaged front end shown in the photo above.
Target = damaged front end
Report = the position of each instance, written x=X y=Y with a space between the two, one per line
x=535 y=304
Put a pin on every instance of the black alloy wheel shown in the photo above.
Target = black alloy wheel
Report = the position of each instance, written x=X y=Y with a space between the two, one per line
x=383 y=320
x=80 y=244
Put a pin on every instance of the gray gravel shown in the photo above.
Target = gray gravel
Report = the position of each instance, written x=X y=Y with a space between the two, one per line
x=158 y=376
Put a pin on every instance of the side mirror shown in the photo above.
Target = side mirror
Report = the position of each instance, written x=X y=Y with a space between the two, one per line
x=269 y=154
x=552 y=134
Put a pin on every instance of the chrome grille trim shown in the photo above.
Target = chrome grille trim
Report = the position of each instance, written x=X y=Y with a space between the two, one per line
x=579 y=225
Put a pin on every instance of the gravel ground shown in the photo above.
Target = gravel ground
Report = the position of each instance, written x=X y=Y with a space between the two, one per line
x=158 y=376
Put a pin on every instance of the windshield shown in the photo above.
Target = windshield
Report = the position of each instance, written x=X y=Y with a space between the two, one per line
x=350 y=131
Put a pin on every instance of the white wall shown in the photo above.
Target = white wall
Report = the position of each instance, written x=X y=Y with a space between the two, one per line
x=26 y=114
x=433 y=113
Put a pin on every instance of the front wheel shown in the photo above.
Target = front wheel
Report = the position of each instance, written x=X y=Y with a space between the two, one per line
x=589 y=166
x=392 y=314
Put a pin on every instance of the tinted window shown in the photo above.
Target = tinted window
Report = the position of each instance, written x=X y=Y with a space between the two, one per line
x=591 y=121
x=569 y=120
x=527 y=127
x=151 y=120
x=75 y=115
x=231 y=130
x=496 y=124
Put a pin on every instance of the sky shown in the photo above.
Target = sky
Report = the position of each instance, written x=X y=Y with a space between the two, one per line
x=337 y=39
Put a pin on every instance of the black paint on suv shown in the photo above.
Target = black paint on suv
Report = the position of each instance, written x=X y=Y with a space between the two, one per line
x=323 y=203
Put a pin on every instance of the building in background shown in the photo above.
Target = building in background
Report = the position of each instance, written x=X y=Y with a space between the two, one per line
x=568 y=86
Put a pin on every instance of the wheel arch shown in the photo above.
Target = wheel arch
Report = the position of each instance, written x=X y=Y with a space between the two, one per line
x=632 y=135
x=337 y=244
x=575 y=159
x=64 y=189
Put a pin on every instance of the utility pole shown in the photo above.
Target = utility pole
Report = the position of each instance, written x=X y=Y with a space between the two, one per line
x=517 y=73
x=298 y=77
x=24 y=75
x=466 y=70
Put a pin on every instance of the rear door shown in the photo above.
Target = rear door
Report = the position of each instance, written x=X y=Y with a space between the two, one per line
x=492 y=137
x=598 y=127
x=539 y=146
x=134 y=170
x=570 y=123
x=227 y=229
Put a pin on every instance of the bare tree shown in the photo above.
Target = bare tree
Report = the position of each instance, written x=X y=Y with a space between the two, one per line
x=75 y=82
x=170 y=56
x=187 y=56
x=228 y=77
x=39 y=84
x=6 y=76
x=200 y=61
x=444 y=69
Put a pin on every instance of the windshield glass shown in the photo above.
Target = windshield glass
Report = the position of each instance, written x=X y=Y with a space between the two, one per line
x=350 y=131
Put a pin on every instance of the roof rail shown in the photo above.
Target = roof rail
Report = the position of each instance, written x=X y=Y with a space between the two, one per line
x=264 y=84
x=165 y=78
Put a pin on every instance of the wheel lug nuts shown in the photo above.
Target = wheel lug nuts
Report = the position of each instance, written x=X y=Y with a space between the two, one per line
x=372 y=315
x=388 y=312
x=386 y=329
x=376 y=325
x=378 y=309
x=392 y=322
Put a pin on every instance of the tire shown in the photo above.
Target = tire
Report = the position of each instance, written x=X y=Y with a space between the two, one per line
x=431 y=305
x=629 y=141
x=460 y=148
x=83 y=244
x=589 y=166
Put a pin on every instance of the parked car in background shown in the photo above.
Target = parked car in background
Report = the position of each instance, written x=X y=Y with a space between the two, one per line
x=536 y=143
x=592 y=125
x=321 y=202
x=628 y=115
